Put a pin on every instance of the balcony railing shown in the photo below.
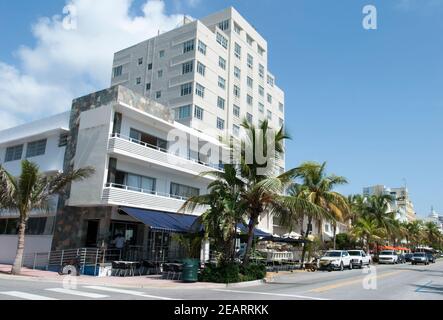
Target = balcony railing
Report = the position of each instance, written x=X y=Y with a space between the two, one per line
x=145 y=191
x=166 y=151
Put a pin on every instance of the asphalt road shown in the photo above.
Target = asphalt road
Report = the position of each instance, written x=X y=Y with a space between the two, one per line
x=384 y=282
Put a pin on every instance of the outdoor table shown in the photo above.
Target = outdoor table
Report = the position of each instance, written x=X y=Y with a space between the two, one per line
x=129 y=265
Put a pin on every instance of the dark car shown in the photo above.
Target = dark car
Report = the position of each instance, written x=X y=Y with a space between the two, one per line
x=408 y=257
x=401 y=258
x=420 y=257
x=431 y=257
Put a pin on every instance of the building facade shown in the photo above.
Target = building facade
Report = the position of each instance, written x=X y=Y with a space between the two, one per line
x=44 y=143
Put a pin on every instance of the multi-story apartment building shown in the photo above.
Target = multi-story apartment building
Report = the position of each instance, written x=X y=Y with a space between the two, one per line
x=42 y=142
x=212 y=73
x=401 y=202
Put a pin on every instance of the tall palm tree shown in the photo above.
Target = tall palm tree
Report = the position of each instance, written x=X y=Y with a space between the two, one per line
x=318 y=188
x=378 y=207
x=415 y=232
x=432 y=234
x=32 y=190
x=367 y=230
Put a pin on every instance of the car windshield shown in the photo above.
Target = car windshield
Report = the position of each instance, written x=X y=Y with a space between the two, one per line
x=333 y=254
x=387 y=253
x=354 y=253
x=419 y=254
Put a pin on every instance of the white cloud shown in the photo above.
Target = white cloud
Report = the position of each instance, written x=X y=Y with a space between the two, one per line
x=66 y=63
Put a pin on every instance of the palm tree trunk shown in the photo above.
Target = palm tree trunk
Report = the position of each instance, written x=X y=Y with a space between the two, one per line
x=17 y=266
x=251 y=228
x=304 y=245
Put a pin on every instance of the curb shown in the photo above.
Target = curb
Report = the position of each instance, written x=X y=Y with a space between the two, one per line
x=245 y=284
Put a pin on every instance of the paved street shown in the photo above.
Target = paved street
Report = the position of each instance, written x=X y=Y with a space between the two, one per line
x=382 y=282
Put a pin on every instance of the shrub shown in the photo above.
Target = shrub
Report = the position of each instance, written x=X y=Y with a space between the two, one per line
x=231 y=273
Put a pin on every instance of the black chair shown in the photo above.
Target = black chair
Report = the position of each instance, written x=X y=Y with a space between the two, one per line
x=116 y=269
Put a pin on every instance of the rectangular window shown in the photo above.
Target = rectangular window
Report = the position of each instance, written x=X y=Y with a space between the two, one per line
x=250 y=61
x=140 y=61
x=224 y=25
x=221 y=103
x=63 y=140
x=183 y=191
x=183 y=112
x=148 y=86
x=138 y=80
x=186 y=89
x=281 y=122
x=270 y=81
x=139 y=183
x=249 y=40
x=237 y=72
x=281 y=107
x=118 y=71
x=236 y=111
x=236 y=130
x=261 y=71
x=160 y=74
x=188 y=46
x=269 y=98
x=188 y=67
x=220 y=124
x=222 y=40
x=14 y=153
x=237 y=91
x=198 y=113
x=222 y=63
x=237 y=28
x=269 y=115
x=261 y=91
x=237 y=51
x=221 y=83
x=158 y=94
x=201 y=47
x=201 y=68
x=250 y=82
x=249 y=118
x=260 y=50
x=36 y=148
x=261 y=107
x=200 y=90
x=161 y=53
x=249 y=100
x=150 y=66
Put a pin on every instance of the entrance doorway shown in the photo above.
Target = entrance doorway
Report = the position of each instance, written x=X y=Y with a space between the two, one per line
x=92 y=233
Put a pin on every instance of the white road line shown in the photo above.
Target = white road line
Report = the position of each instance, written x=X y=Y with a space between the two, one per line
x=129 y=292
x=27 y=296
x=78 y=293
x=270 y=294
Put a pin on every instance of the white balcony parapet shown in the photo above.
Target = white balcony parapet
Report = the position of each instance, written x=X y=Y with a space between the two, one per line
x=117 y=194
x=163 y=156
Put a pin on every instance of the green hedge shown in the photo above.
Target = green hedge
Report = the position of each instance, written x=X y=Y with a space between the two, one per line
x=232 y=273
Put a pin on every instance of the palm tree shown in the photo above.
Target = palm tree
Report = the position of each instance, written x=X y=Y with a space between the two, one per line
x=415 y=233
x=432 y=234
x=366 y=229
x=378 y=207
x=318 y=188
x=32 y=190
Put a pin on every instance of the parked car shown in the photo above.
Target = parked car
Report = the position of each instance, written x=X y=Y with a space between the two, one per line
x=359 y=258
x=431 y=257
x=408 y=257
x=388 y=256
x=401 y=258
x=335 y=260
x=420 y=257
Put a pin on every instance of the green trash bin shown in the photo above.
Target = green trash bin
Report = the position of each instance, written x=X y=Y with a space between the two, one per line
x=190 y=270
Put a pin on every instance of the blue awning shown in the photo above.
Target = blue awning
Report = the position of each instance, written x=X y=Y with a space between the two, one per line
x=175 y=222
x=162 y=221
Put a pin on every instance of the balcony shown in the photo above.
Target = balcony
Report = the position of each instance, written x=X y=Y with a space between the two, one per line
x=120 y=144
x=116 y=194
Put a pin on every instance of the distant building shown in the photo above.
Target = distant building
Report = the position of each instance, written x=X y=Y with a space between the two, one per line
x=436 y=219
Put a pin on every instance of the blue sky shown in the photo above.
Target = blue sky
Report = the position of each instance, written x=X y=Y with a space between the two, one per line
x=370 y=103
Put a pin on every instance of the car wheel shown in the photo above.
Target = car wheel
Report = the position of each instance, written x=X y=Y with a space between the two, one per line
x=350 y=266
x=342 y=267
x=361 y=264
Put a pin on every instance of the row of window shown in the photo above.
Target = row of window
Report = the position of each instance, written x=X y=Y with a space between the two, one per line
x=35 y=226
x=33 y=149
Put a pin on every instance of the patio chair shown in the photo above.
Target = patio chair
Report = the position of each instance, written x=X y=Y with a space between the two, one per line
x=116 y=269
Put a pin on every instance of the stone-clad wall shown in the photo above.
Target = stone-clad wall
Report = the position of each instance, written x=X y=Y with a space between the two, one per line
x=71 y=222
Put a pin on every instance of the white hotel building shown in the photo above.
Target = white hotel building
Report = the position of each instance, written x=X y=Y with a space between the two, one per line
x=200 y=80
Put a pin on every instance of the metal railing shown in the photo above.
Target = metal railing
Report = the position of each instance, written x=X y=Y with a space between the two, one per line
x=87 y=257
x=146 y=191
x=150 y=146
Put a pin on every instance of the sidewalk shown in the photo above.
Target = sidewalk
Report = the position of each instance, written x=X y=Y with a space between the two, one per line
x=130 y=282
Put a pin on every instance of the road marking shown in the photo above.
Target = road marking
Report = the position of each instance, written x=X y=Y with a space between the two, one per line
x=129 y=292
x=78 y=293
x=423 y=286
x=27 y=296
x=350 y=282
x=270 y=294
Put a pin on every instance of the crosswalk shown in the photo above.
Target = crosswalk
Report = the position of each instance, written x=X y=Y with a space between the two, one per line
x=89 y=292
